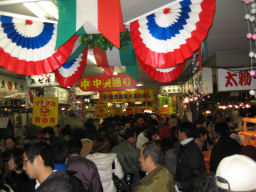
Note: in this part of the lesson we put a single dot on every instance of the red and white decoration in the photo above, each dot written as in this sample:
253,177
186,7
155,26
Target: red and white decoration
172,33
28,47
69,73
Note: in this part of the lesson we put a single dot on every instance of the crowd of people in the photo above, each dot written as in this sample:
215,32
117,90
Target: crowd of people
130,153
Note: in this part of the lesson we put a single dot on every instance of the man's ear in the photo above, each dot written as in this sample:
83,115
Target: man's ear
38,161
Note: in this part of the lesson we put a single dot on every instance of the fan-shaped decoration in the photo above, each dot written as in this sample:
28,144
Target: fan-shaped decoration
171,35
70,72
28,47
164,75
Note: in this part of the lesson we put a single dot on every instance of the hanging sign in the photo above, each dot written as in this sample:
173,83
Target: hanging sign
164,110
101,111
126,96
41,80
45,111
235,79
104,83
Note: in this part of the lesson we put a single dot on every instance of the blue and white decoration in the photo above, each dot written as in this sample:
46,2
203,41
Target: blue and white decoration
172,33
28,47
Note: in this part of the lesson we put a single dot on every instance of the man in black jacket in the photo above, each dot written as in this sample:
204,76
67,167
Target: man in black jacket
38,164
190,162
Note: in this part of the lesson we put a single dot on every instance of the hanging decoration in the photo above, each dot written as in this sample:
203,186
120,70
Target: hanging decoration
68,74
172,33
28,47
250,9
163,75
89,17
117,57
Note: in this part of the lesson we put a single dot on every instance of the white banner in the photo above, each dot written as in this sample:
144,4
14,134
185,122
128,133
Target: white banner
235,79
41,80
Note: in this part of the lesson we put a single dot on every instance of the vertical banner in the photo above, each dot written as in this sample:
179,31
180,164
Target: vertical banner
45,111
101,111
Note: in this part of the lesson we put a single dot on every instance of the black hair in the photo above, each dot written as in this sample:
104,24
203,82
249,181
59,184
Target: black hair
207,183
48,130
12,138
17,155
186,127
60,150
74,146
154,150
129,133
222,129
66,130
150,131
39,147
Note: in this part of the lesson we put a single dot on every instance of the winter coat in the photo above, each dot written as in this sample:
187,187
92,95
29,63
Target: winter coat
128,156
170,160
58,181
141,140
103,162
158,180
190,165
86,171
226,146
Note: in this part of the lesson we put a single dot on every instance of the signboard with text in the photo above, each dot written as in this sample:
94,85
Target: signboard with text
45,111
101,111
235,79
126,96
104,83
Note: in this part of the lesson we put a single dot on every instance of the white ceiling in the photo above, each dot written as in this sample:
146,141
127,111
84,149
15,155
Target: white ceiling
228,32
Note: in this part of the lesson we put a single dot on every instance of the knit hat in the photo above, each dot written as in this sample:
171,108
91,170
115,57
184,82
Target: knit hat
236,173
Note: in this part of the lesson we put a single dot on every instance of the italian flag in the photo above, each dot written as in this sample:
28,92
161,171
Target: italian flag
117,57
89,17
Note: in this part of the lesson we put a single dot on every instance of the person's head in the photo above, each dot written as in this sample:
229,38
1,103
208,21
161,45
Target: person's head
236,173
206,183
60,150
139,119
185,130
74,146
151,133
66,132
151,156
130,136
28,138
10,143
202,133
172,121
48,132
37,157
222,129
100,145
127,125
15,162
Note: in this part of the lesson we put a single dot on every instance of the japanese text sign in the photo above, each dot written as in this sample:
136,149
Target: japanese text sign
104,83
235,79
45,111
101,111
126,96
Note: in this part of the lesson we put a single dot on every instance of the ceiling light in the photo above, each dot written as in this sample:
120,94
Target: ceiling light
50,8
115,73
139,84
34,8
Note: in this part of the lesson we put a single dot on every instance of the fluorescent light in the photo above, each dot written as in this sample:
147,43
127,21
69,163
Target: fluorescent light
34,8
50,8
166,105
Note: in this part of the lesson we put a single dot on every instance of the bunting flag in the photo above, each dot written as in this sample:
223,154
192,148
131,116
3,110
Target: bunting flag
117,57
28,47
172,33
69,73
163,75
90,16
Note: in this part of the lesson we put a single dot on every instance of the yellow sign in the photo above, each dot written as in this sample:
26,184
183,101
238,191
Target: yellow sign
101,111
126,96
45,111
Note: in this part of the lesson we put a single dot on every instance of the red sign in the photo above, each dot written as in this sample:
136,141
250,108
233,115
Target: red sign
104,83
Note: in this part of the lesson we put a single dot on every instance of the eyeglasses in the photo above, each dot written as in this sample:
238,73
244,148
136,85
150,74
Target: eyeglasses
222,180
